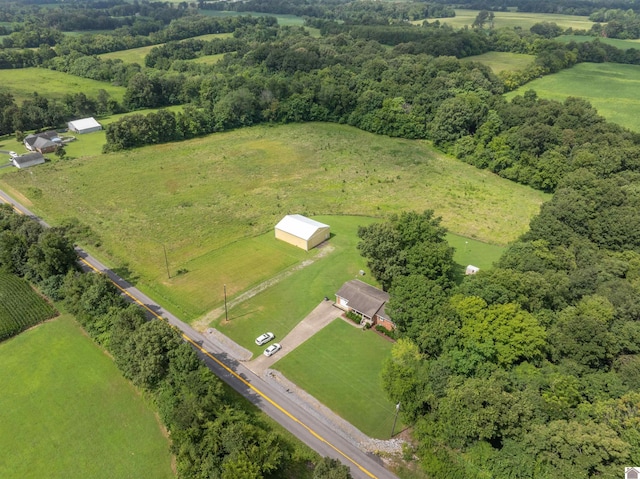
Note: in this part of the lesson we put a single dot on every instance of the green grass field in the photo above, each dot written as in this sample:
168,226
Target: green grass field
20,306
22,82
501,61
137,55
209,59
516,19
477,253
66,412
340,366
199,196
611,88
281,307
621,44
283,20
132,55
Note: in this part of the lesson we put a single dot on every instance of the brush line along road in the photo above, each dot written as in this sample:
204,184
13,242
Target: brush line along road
273,401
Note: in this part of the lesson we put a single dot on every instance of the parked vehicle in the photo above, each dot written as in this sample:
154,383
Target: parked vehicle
264,338
271,350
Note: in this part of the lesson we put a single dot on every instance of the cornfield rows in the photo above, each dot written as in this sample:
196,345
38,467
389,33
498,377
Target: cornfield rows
20,306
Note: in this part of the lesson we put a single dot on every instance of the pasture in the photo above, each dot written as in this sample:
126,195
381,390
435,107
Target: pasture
612,88
501,61
23,82
137,55
340,366
283,19
66,411
517,19
199,196
209,59
20,306
132,55
616,42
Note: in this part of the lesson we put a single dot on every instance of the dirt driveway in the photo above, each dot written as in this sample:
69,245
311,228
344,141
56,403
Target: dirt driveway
317,319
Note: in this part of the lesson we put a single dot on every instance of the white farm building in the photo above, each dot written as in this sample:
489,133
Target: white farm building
86,125
301,231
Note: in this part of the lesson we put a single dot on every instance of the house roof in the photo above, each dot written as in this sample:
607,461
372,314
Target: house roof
364,298
28,159
84,124
41,143
300,226
45,135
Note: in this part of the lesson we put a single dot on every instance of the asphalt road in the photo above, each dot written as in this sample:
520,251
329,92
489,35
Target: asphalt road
269,399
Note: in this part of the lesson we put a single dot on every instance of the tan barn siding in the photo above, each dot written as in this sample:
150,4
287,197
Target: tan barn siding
291,239
318,237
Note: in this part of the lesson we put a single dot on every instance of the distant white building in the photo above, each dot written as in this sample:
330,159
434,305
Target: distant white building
86,125
302,232
471,269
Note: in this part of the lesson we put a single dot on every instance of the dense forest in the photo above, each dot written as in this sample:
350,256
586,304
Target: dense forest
530,369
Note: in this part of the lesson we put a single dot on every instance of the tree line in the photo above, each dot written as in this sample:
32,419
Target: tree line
529,369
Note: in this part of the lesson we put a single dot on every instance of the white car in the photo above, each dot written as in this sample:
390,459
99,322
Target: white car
264,338
274,348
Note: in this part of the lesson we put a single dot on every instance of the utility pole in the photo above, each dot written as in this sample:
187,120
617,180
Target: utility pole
226,316
395,419
166,261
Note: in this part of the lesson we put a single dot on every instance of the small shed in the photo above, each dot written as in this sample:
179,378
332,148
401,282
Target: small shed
471,269
86,125
302,232
27,160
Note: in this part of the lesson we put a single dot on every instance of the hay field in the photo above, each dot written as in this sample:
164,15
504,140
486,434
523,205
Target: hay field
516,19
611,88
199,197
23,82
501,61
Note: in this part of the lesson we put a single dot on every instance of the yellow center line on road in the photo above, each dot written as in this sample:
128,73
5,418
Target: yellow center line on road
240,378
225,367
276,405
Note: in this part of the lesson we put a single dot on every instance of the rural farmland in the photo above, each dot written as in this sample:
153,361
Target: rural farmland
610,87
243,182
85,419
20,306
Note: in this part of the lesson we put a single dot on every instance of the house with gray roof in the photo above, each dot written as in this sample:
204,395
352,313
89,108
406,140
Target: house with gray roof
27,160
45,142
365,300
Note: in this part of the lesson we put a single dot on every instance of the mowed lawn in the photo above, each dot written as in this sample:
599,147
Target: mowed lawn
199,196
66,412
469,251
284,304
517,19
340,366
611,88
22,82
501,61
